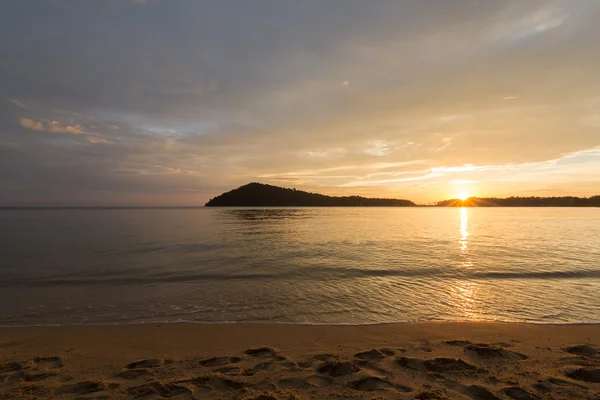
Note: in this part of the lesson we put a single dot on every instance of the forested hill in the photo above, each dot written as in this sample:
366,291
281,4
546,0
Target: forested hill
258,194
568,201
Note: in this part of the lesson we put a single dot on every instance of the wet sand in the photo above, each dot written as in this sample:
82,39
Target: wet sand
264,361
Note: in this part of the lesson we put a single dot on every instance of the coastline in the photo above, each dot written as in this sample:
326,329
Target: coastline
301,361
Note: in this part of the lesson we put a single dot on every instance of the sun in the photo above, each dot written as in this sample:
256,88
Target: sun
464,195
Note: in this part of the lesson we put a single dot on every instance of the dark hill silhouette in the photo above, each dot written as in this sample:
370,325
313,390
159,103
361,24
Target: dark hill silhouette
258,194
568,201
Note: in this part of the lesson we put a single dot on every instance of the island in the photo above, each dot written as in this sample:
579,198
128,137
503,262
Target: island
258,195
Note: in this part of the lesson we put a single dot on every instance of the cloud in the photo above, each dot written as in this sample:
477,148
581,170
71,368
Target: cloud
97,140
177,170
51,126
31,124
17,103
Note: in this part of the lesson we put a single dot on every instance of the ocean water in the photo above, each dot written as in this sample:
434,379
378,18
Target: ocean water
299,265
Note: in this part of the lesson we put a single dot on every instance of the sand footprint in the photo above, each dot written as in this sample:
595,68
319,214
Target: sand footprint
585,374
134,374
10,367
147,363
218,383
81,388
229,370
257,368
293,383
438,365
48,362
582,350
320,381
460,343
431,395
307,363
338,368
36,377
264,397
263,352
218,361
373,383
375,354
153,389
491,352
476,392
518,393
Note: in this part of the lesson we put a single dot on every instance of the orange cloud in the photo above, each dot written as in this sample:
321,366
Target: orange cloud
177,170
31,124
96,140
51,126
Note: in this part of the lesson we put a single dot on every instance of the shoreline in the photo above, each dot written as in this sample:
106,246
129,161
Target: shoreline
450,360
304,324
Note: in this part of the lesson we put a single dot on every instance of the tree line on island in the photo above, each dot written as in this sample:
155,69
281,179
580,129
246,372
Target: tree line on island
261,195
258,194
566,201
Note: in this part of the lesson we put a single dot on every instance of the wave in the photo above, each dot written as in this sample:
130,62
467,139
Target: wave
305,273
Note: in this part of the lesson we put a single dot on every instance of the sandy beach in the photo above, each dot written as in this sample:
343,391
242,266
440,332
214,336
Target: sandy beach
265,361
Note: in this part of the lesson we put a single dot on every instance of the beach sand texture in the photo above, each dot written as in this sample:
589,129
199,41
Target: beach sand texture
266,361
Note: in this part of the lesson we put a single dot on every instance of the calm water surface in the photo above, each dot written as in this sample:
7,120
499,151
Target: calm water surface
303,265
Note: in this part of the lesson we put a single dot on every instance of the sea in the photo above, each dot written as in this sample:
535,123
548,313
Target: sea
299,265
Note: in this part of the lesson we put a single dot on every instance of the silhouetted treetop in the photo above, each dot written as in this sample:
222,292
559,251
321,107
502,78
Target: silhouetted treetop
258,194
567,201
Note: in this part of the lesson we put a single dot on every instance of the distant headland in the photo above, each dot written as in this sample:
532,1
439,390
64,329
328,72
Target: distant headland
258,194
261,195
567,201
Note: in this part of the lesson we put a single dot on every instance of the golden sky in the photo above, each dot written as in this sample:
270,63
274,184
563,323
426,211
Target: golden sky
172,102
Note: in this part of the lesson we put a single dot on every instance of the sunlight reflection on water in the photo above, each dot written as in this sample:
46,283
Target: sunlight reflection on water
309,265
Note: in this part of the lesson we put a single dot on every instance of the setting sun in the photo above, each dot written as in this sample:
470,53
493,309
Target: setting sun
463,195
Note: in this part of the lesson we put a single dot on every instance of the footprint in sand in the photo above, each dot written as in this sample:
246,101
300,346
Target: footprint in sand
307,363
438,365
320,381
36,377
476,392
338,368
373,366
585,374
293,383
373,383
81,388
582,361
375,354
563,383
432,395
153,389
264,397
460,343
257,368
218,361
147,363
133,374
582,350
48,362
229,370
218,383
262,352
518,393
10,367
491,352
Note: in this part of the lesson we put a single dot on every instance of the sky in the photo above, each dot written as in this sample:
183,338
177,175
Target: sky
156,102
